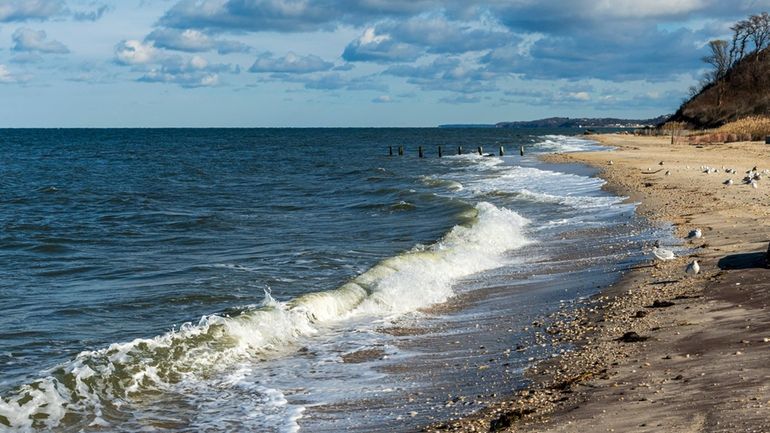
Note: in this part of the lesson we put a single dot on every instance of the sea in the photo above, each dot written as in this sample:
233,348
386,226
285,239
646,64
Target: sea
288,280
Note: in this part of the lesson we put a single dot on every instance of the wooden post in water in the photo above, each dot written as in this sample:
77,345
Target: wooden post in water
521,150
390,150
439,152
481,151
502,151
400,150
419,151
459,150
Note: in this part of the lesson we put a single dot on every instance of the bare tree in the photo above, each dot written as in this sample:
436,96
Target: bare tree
740,40
759,30
720,58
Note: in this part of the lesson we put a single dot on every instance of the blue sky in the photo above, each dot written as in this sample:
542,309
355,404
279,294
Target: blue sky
150,63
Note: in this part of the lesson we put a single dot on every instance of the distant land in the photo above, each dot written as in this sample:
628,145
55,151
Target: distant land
566,122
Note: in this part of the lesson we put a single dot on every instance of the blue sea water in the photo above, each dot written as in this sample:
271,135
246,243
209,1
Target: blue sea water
216,279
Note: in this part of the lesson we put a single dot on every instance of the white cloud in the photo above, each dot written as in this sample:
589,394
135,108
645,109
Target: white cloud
5,75
191,40
21,10
25,39
579,96
291,63
382,99
647,8
133,52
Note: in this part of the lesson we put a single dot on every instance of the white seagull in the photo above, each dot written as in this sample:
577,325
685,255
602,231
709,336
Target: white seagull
663,254
693,268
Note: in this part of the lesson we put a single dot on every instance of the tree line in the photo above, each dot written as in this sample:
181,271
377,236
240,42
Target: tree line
749,36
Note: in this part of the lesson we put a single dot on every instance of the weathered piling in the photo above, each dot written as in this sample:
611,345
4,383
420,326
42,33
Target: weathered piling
459,150
521,150
439,152
400,150
390,150
481,150
502,151
419,151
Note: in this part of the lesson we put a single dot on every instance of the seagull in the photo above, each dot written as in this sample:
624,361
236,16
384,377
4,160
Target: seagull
610,163
663,254
660,163
693,268
754,184
668,172
695,234
728,182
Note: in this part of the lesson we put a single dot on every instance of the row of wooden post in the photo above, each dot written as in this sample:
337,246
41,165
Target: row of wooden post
441,153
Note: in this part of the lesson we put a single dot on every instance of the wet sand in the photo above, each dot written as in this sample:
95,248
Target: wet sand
662,350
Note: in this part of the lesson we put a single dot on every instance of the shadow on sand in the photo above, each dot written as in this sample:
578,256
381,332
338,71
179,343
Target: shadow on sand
744,261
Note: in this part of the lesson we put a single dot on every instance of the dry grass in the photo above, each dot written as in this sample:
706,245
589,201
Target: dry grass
757,127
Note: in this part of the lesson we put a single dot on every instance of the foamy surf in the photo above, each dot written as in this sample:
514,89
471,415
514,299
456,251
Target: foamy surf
98,388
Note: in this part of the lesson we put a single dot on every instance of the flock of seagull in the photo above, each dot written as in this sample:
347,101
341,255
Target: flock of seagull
664,254
752,178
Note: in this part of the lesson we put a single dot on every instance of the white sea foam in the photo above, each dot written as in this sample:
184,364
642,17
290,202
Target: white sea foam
565,143
123,372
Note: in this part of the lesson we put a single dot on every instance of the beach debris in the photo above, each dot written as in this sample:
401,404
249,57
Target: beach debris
728,182
668,173
754,184
695,234
507,419
661,304
639,314
610,162
631,337
663,254
693,268
660,163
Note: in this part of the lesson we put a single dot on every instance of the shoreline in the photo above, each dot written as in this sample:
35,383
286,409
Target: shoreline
697,360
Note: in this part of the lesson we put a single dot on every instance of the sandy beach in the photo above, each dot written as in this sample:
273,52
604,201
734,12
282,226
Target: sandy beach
663,350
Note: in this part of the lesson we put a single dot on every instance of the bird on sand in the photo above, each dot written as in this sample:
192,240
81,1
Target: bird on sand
728,182
695,234
693,268
663,254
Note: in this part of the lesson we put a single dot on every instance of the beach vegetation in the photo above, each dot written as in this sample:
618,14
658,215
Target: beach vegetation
758,127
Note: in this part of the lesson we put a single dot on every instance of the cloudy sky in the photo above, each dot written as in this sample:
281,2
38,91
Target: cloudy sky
349,62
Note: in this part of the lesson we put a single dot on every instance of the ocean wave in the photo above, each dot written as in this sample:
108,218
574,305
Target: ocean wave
565,143
98,387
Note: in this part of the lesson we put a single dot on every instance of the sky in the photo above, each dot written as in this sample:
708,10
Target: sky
296,63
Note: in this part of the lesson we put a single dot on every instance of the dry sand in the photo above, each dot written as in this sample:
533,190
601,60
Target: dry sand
703,360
